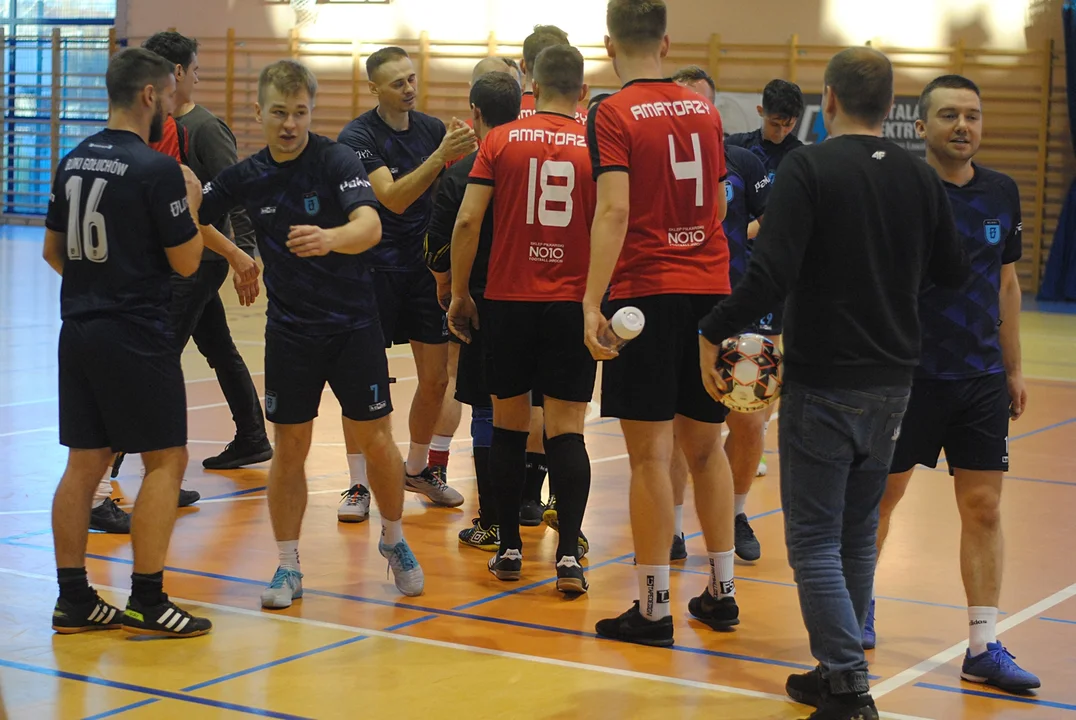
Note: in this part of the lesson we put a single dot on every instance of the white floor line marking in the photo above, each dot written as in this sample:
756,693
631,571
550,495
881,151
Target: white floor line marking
912,674
355,630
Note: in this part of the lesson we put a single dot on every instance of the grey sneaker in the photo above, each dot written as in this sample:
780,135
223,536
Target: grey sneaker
433,487
287,585
355,507
406,571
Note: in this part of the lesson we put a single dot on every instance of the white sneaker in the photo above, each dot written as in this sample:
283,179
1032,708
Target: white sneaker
406,571
355,507
287,585
434,487
762,469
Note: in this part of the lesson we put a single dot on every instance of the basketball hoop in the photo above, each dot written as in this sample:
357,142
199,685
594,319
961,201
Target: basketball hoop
306,12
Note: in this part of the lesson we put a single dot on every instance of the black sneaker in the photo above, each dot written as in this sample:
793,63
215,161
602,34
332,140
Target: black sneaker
239,454
678,551
163,620
846,707
632,627
109,517
747,545
806,688
188,497
94,614
480,537
718,614
570,576
530,513
506,564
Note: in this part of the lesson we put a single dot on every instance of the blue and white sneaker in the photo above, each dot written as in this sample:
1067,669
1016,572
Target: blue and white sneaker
869,638
406,571
996,667
287,585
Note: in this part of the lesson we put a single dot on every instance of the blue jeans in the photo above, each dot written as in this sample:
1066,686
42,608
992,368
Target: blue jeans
836,445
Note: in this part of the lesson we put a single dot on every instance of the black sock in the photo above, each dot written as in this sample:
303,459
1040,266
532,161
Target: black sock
508,467
487,495
74,585
570,464
536,472
148,589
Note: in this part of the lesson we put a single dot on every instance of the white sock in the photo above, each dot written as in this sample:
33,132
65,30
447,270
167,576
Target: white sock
678,526
417,455
289,553
654,591
104,490
441,443
356,465
722,572
741,503
391,531
982,628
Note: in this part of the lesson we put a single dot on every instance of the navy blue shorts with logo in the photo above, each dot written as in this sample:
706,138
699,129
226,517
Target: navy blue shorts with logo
408,307
297,367
968,419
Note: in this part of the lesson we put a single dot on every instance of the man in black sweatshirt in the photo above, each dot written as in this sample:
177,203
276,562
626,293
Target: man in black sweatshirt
851,230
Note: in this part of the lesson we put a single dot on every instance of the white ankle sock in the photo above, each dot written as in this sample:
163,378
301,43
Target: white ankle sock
289,553
104,490
653,591
741,503
417,455
722,572
356,465
441,443
982,628
391,531
678,526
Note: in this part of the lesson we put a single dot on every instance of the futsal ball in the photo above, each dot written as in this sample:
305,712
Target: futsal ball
751,367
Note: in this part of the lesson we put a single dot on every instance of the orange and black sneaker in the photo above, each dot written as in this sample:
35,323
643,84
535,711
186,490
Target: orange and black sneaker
93,614
163,620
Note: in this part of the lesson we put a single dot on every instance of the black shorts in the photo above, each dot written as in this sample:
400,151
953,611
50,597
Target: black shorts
298,366
969,419
121,386
538,346
408,306
472,387
657,375
769,325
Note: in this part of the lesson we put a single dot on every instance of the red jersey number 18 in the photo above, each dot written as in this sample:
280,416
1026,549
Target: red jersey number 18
548,216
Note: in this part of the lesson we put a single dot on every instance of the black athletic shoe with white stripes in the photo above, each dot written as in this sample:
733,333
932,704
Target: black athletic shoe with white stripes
94,614
163,620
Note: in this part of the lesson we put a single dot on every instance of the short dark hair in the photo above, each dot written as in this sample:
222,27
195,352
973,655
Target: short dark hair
560,69
863,80
637,22
947,82
694,73
497,96
543,36
131,70
783,99
289,77
173,47
382,56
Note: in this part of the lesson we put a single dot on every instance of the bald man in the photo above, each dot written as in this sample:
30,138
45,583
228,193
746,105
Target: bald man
851,231
488,65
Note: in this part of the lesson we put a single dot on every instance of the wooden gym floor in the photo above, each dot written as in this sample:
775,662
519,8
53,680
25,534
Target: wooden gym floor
473,646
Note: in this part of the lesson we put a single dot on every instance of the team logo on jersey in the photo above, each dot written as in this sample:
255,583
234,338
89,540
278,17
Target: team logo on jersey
311,203
771,176
992,228
270,403
730,192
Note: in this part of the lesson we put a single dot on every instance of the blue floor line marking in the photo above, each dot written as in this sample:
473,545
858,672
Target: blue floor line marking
1043,429
1058,620
162,694
237,493
997,696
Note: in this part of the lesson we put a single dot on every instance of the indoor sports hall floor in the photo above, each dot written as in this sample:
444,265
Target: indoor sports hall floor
473,646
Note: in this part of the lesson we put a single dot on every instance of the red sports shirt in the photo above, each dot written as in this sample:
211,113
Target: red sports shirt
670,142
528,106
169,143
543,206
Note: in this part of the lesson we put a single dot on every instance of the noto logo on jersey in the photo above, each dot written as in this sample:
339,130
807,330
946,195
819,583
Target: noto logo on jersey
311,203
992,229
354,184
687,237
546,252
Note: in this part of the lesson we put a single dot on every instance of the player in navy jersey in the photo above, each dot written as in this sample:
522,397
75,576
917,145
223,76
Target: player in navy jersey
315,217
746,191
969,383
781,109
405,152
117,226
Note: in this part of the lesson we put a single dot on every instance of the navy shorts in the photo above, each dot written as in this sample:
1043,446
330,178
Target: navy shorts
297,367
657,375
472,387
968,419
121,386
408,307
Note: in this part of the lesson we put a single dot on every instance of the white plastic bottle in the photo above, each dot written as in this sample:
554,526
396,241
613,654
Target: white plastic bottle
625,325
